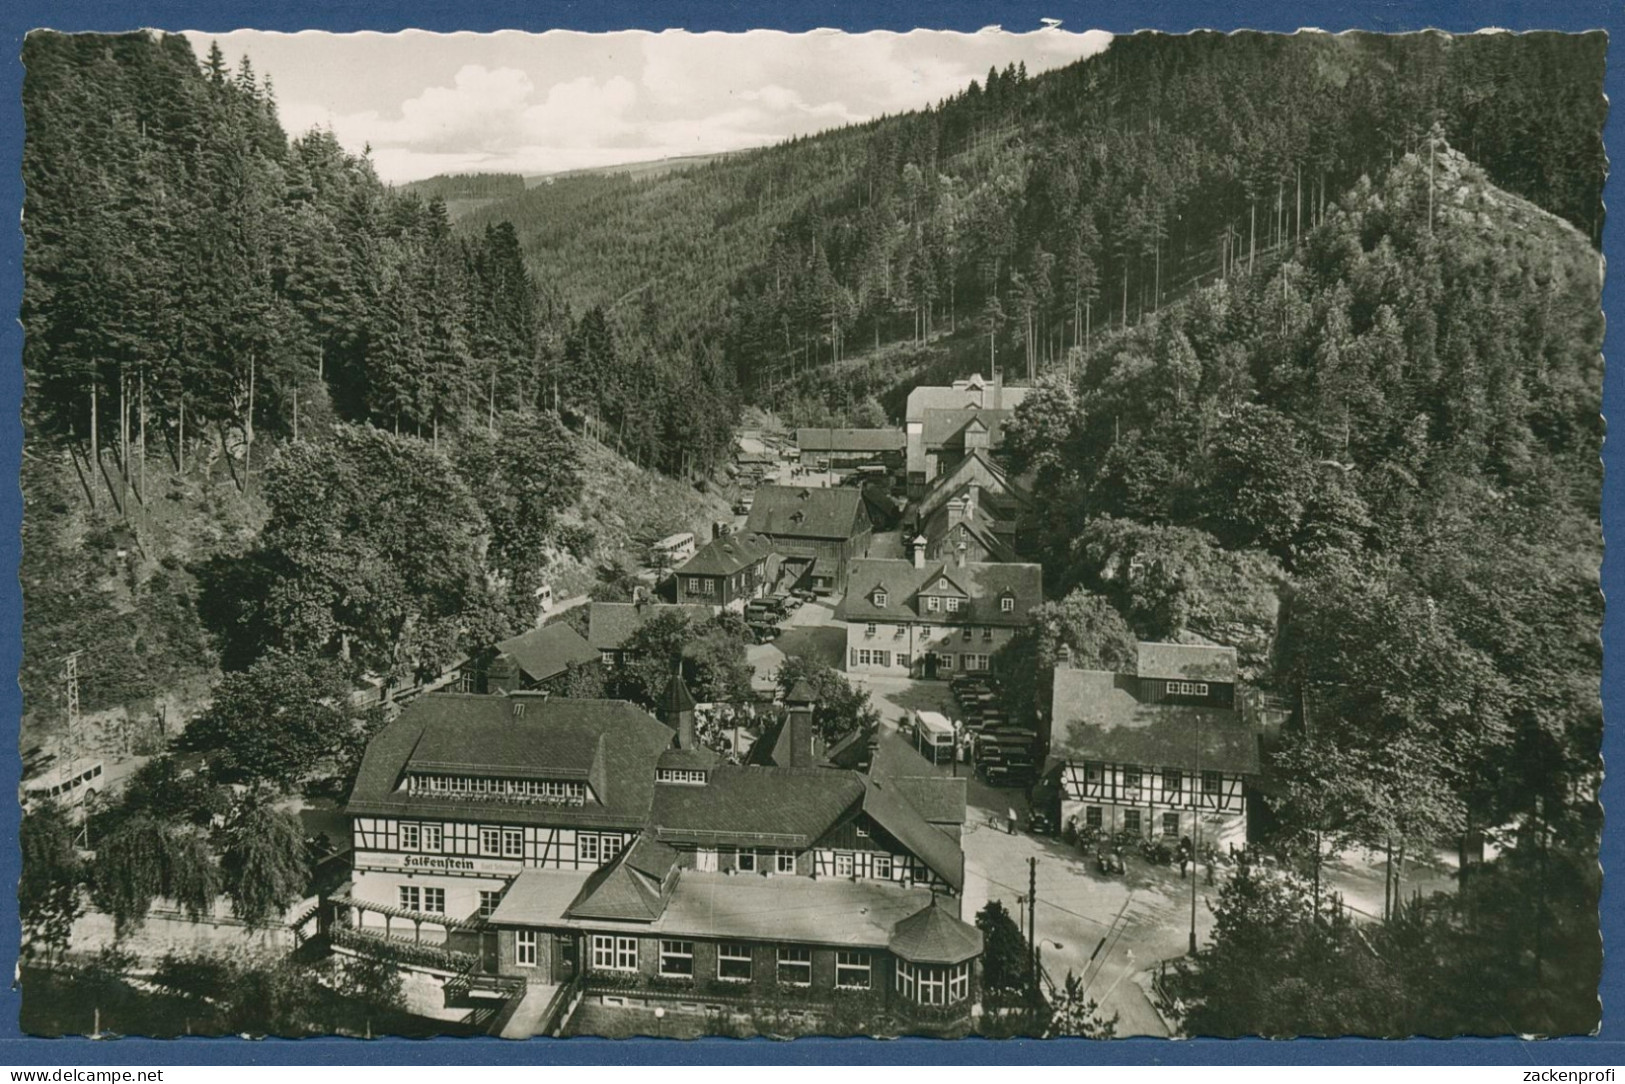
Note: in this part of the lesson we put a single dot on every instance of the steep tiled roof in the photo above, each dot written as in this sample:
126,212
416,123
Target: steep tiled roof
1187,662
977,466
1099,716
788,807
938,799
611,624
727,555
548,651
807,512
983,583
886,805
933,936
849,440
698,758
609,744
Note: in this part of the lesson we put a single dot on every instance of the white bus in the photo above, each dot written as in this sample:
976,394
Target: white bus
672,550
934,736
69,785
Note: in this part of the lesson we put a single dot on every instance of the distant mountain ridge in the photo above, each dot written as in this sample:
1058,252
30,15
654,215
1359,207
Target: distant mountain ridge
1042,207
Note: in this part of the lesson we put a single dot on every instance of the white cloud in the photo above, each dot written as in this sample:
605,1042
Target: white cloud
430,103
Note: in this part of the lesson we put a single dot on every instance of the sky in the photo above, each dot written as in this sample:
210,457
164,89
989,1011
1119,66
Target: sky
543,103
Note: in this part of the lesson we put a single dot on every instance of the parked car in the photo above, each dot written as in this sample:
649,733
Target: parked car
1109,862
742,506
804,594
764,609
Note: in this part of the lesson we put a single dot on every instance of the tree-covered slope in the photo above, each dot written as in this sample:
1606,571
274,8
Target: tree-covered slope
1039,209
1398,430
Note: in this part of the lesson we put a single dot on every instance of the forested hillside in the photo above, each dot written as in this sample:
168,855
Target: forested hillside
1038,210
1398,431
252,372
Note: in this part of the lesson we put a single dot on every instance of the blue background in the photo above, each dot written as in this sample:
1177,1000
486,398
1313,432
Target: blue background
17,16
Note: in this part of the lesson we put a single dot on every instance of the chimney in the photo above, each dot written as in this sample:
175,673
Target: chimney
801,737
919,551
959,555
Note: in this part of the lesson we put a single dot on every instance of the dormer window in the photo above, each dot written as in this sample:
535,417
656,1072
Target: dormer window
693,777
932,603
879,598
1007,604
953,604
1187,688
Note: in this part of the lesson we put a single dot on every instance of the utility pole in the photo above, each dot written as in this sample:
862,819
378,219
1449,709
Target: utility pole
1032,916
70,681
1196,828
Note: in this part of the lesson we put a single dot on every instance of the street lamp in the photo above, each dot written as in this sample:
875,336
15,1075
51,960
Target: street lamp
1038,960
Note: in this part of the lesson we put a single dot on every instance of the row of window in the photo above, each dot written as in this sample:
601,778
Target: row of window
547,791
680,775
735,962
967,632
1187,688
1092,818
747,861
864,656
926,985
1172,779
505,842
428,900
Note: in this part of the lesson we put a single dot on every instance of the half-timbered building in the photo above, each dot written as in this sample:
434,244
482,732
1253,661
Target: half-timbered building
555,840
1154,752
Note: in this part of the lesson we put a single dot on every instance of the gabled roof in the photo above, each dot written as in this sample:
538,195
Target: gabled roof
727,555
609,744
856,751
815,439
774,749
988,393
801,693
946,428
611,624
548,651
933,936
1099,716
997,484
1187,662
807,512
943,527
786,807
984,583
631,888
885,804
